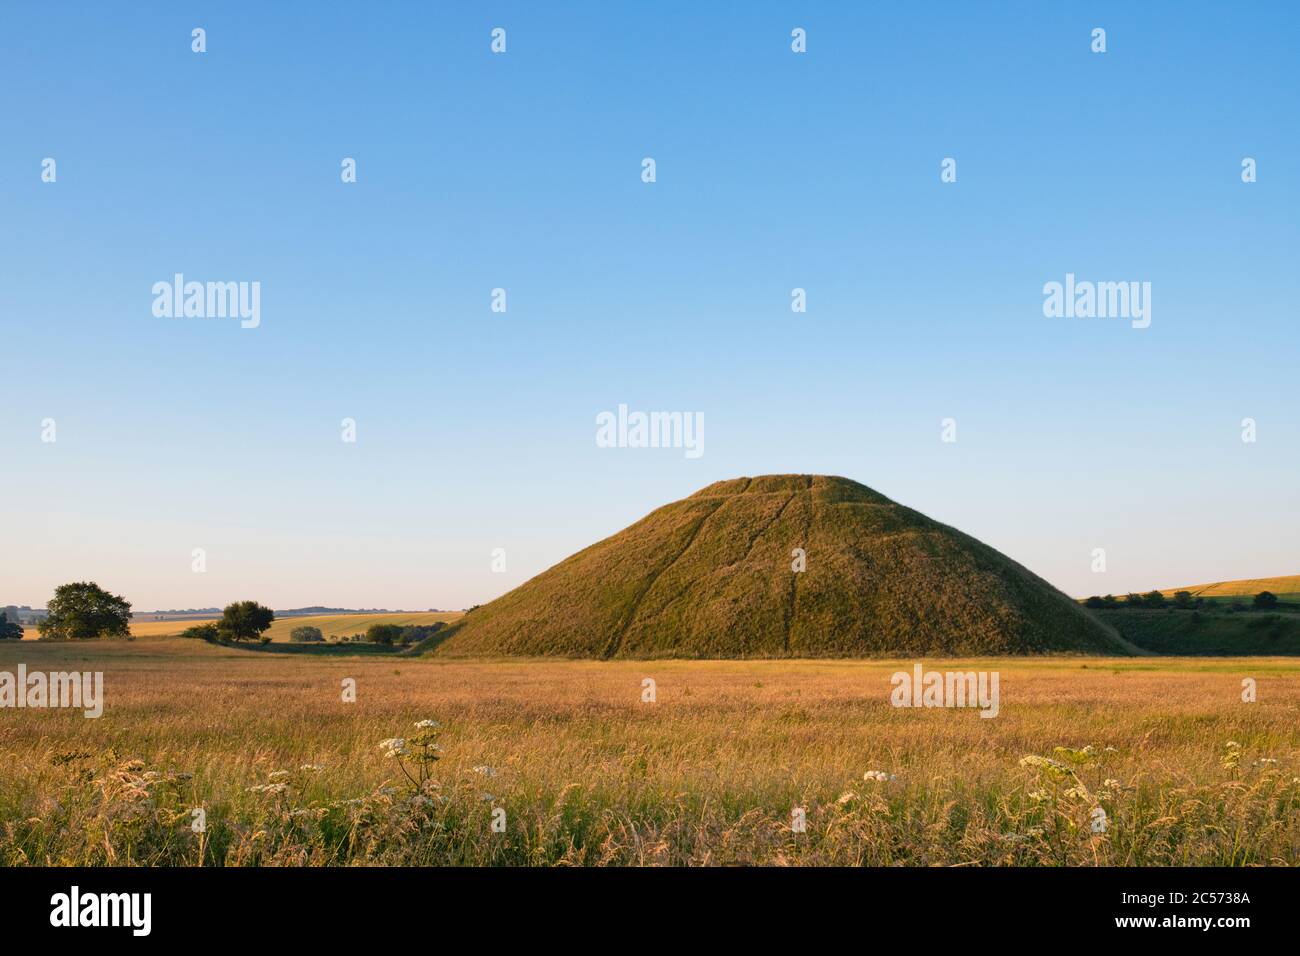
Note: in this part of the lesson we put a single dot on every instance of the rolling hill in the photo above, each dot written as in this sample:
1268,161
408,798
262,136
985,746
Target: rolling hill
1287,588
711,576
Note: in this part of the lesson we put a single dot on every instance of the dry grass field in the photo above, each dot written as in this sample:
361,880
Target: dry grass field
587,773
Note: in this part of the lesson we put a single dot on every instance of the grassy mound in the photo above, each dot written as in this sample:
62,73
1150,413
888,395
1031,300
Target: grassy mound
711,576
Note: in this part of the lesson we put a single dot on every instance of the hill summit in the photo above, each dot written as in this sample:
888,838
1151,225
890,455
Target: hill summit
714,576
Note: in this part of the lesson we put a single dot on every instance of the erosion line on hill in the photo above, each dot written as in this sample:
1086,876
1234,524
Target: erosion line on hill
617,639
794,578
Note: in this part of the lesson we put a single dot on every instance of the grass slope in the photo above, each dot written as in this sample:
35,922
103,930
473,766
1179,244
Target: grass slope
710,577
1215,633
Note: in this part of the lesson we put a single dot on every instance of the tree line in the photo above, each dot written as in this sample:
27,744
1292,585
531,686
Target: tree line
1184,600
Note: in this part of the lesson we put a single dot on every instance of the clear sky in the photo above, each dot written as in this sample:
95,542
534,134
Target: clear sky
774,170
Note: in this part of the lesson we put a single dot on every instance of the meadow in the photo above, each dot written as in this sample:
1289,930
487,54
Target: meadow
576,768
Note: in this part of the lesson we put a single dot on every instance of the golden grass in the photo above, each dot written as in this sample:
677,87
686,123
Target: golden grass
589,774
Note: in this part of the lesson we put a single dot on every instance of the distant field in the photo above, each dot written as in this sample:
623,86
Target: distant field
340,624
1286,588
587,773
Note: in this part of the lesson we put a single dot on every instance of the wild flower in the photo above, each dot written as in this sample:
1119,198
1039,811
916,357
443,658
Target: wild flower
485,771
427,724
846,797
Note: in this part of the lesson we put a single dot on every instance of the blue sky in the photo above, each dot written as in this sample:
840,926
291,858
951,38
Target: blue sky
775,170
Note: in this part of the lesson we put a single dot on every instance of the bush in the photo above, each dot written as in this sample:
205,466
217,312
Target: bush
1133,600
1094,602
1183,599
306,634
1153,599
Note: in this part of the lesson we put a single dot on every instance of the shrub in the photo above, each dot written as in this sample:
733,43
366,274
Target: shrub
1183,599
1133,600
1094,602
1265,601
9,631
1153,599
306,634
205,632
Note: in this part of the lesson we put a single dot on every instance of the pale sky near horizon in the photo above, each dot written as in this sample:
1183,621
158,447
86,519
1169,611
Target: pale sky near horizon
523,171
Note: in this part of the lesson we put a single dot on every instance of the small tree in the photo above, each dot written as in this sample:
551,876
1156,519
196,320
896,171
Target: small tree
306,634
245,620
1265,601
1183,599
1153,599
383,633
84,610
1133,599
9,631
1094,602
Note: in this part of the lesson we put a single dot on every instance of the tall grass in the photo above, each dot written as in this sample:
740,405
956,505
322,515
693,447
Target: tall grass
588,774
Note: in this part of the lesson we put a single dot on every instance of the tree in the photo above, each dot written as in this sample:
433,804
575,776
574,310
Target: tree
205,632
9,631
1265,601
84,610
1183,599
1133,600
1153,599
306,634
1094,602
383,633
245,620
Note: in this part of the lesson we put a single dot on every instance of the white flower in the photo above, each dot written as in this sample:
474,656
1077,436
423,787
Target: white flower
311,768
485,771
879,776
1038,796
277,774
394,747
846,797
427,724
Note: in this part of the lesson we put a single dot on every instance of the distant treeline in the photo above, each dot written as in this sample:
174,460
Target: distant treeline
1183,600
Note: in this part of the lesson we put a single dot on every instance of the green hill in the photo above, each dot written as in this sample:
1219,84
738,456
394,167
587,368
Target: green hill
710,577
